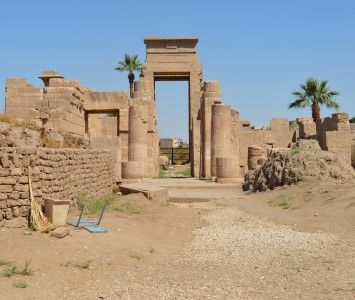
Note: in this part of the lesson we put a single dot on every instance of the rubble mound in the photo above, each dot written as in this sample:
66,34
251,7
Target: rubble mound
306,162
18,136
14,135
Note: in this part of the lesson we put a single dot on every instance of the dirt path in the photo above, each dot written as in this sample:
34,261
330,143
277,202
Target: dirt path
243,247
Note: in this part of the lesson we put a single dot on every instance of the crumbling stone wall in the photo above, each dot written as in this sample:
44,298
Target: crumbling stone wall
56,174
287,168
332,133
59,104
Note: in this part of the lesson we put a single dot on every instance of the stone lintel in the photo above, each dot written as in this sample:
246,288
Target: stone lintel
166,45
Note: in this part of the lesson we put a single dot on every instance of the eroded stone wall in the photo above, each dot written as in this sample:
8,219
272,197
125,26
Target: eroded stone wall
332,133
56,174
59,104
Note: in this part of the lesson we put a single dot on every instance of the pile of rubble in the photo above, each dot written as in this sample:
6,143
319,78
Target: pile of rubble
305,162
15,135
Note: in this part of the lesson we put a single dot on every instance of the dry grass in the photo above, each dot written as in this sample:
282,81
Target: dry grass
38,220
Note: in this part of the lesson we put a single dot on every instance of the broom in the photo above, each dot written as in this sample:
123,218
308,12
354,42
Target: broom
38,221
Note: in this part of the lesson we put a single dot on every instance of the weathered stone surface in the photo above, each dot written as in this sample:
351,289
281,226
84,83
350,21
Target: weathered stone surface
5,188
7,180
15,211
8,214
60,232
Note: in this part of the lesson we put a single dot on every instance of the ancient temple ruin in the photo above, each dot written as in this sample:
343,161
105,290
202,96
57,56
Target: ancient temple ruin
222,145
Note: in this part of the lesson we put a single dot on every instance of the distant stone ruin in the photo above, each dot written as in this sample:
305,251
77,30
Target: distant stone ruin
222,145
305,163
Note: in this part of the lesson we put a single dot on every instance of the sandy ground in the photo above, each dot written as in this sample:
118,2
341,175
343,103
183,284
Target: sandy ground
294,243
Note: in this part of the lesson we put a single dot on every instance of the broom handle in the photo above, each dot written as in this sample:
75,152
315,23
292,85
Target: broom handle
30,179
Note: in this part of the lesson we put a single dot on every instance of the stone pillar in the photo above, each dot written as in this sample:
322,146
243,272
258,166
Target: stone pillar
254,154
141,90
220,133
135,167
227,169
137,134
143,96
211,95
196,139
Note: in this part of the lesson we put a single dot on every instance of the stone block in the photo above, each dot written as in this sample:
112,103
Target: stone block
60,232
3,203
20,187
6,188
340,116
279,124
156,194
8,214
4,172
16,82
16,172
15,211
8,180
14,196
5,162
307,130
57,211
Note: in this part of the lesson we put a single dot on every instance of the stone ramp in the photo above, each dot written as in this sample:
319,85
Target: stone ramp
182,190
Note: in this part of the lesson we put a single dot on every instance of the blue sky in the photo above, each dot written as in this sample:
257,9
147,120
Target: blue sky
259,50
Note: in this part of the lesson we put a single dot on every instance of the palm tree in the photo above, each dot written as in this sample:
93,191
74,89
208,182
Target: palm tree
314,93
130,63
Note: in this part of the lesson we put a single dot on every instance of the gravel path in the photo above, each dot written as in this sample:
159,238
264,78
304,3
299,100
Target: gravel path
239,256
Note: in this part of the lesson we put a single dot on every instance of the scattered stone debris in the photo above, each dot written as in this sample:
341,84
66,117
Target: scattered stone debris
60,232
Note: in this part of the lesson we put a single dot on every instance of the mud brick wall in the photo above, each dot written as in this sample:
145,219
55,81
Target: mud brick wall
56,174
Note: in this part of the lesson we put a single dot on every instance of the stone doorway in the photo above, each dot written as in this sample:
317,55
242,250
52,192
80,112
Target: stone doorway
175,59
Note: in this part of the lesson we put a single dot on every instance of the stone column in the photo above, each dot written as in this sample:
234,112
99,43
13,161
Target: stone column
227,169
254,154
135,167
211,95
196,139
144,96
220,133
137,134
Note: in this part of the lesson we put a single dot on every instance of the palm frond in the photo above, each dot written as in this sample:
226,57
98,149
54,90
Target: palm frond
314,91
130,63
299,103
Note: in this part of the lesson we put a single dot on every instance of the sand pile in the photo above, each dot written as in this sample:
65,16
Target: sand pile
288,167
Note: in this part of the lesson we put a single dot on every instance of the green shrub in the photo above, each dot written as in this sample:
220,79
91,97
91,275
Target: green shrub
21,284
127,208
296,149
94,206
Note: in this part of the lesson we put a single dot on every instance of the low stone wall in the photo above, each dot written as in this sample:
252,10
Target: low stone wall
56,174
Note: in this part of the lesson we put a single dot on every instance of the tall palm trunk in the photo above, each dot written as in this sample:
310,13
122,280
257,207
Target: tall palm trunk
315,111
131,80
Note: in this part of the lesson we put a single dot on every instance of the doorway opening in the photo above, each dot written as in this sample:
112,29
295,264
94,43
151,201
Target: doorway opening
172,105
